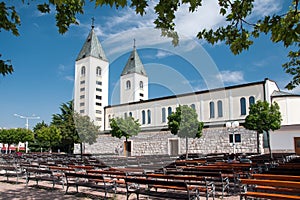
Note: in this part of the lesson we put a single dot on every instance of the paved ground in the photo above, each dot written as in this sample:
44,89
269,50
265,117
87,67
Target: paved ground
16,191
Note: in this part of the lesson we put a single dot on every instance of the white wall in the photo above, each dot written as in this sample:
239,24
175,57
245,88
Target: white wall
229,96
283,139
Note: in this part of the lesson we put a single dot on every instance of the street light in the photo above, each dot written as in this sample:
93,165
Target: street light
27,125
27,119
232,128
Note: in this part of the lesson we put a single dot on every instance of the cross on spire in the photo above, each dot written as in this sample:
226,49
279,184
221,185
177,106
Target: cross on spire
134,43
93,21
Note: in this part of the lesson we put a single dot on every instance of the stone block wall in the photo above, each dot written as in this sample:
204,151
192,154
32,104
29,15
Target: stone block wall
213,140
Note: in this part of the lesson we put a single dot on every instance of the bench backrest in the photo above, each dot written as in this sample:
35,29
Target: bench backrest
38,171
273,183
80,175
276,177
106,172
156,182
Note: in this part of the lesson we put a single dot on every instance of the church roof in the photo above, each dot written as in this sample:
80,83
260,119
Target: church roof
281,94
92,47
134,64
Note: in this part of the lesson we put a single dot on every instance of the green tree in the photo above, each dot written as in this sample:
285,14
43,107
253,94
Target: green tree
126,127
14,136
7,136
39,126
65,122
184,123
48,137
239,32
86,129
264,117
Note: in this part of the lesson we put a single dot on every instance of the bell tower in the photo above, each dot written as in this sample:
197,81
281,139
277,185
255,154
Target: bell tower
133,80
91,80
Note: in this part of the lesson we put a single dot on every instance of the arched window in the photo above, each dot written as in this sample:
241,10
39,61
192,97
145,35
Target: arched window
143,117
169,111
141,85
243,106
149,116
130,114
251,100
128,85
211,109
83,71
220,109
193,106
163,114
125,115
98,71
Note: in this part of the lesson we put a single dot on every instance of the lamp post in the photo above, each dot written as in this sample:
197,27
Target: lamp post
232,128
27,119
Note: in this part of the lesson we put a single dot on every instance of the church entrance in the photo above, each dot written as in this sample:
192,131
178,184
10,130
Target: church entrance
173,147
297,145
127,148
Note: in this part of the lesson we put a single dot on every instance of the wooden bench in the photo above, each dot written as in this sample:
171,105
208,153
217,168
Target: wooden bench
117,176
81,168
221,181
163,188
11,171
276,177
89,180
203,185
270,189
38,174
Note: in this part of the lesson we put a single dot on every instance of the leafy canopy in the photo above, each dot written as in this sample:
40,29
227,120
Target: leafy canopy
126,127
263,117
14,136
65,122
48,136
87,131
238,32
184,123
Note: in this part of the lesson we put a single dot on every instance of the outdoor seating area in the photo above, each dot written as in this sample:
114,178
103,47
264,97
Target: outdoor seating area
164,177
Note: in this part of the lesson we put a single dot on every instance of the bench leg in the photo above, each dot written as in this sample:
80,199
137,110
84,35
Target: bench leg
67,189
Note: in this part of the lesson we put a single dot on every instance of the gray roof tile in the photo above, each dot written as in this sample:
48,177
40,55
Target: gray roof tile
134,64
92,47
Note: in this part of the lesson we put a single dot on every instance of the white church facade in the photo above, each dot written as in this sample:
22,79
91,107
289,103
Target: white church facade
214,107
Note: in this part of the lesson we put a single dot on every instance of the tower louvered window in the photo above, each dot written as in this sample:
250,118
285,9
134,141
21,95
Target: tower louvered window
83,71
98,71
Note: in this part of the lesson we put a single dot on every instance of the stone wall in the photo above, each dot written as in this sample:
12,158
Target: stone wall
213,140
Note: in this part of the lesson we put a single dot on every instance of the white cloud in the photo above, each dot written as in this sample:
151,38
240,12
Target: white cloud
62,70
266,7
207,16
162,54
231,76
69,78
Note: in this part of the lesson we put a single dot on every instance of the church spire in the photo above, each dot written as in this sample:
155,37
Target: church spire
134,63
92,46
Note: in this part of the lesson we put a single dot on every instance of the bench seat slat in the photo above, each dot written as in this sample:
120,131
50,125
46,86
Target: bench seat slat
271,195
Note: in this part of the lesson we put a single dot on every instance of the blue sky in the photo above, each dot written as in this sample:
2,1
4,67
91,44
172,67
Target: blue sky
44,60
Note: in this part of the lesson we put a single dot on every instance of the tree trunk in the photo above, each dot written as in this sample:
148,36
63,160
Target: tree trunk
258,142
186,148
270,150
126,147
81,150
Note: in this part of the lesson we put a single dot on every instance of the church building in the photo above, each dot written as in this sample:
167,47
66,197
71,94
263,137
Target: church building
216,108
